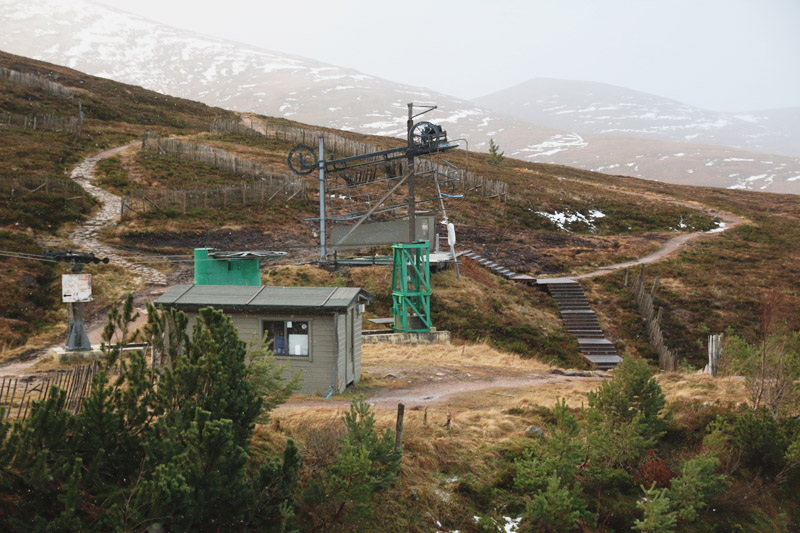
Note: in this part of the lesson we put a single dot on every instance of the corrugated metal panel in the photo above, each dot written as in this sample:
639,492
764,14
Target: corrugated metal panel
384,233
263,298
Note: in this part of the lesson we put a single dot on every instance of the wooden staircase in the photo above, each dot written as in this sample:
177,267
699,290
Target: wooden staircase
582,322
576,313
498,269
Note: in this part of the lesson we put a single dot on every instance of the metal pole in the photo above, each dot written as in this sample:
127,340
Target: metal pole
322,253
412,222
77,339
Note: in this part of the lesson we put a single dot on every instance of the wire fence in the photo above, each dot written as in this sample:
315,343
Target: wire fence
17,395
56,123
27,79
486,187
13,185
257,192
264,185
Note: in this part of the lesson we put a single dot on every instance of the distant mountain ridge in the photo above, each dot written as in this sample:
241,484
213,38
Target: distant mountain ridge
111,43
598,108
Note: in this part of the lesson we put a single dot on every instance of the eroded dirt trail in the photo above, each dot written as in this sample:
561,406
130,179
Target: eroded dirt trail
728,222
86,236
440,393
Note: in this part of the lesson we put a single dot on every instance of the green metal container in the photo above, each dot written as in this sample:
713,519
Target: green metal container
210,271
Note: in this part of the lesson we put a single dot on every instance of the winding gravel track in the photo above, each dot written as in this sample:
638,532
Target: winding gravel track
729,221
86,236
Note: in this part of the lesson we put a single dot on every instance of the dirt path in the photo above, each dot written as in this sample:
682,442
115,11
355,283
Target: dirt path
86,237
728,221
437,393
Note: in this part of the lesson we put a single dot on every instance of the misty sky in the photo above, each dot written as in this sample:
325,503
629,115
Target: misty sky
725,55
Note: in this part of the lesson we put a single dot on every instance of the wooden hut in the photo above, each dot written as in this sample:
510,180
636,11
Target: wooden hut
317,330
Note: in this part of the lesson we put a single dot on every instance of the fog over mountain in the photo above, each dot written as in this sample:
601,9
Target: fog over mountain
588,107
589,126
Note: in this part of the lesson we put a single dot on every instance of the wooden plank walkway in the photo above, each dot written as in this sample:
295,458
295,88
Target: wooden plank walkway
497,269
576,313
581,321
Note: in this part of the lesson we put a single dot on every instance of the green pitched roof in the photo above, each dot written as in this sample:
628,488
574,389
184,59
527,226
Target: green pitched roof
276,299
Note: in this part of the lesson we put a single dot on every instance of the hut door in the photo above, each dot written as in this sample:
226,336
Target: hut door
349,350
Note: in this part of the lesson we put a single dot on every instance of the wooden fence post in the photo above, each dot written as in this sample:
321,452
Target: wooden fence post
714,353
398,439
655,287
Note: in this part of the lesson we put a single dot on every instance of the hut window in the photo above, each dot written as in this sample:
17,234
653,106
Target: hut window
289,337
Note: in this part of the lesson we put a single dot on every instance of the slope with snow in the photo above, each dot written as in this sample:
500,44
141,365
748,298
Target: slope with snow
597,108
114,44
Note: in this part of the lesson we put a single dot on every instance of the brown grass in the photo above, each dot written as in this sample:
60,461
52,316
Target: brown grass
467,355
702,388
289,275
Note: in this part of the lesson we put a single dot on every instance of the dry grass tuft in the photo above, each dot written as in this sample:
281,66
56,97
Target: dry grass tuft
702,388
574,391
466,355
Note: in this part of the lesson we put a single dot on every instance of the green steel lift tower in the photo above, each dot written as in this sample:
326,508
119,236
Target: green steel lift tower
411,287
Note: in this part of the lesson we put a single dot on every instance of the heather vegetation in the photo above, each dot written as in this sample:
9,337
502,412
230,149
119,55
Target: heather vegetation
210,440
628,460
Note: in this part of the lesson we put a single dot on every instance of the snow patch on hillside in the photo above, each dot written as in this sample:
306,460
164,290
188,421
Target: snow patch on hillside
553,145
563,219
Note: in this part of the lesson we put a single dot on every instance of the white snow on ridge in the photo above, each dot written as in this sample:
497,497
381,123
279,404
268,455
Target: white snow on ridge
553,145
459,115
749,118
751,182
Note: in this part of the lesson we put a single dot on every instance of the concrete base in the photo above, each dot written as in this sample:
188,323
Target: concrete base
60,355
430,337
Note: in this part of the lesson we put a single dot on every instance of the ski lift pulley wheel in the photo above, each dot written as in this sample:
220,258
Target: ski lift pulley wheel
303,160
425,134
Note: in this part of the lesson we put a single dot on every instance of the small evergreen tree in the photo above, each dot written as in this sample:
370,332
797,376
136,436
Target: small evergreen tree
659,516
165,447
495,156
574,477
689,493
341,495
633,395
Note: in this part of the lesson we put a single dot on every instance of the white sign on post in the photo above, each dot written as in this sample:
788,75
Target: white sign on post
76,288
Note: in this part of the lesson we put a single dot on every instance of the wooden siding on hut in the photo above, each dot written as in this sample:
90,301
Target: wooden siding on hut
319,367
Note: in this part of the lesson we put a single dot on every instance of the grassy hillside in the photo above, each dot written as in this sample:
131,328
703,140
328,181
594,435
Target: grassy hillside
115,114
470,457
712,285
